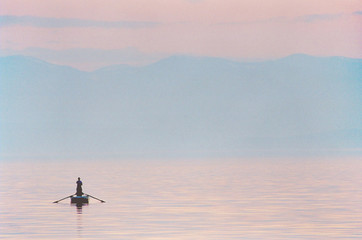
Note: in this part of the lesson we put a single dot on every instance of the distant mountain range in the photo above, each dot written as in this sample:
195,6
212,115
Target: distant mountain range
181,106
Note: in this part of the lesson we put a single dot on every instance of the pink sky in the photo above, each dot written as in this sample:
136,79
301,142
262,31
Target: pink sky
228,28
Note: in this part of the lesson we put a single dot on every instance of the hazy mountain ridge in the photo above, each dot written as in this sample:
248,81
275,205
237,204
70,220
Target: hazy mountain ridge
17,66
180,105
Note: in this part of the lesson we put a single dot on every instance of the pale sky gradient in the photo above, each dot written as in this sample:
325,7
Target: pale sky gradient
237,29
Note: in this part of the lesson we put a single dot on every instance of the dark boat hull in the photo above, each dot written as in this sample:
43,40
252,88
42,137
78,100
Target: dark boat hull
79,199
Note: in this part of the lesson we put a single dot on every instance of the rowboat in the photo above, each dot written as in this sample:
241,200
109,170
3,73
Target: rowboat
74,198
79,199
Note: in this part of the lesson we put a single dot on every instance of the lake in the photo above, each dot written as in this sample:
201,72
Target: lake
311,198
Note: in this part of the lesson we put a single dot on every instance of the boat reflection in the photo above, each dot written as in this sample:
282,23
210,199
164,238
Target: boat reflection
79,207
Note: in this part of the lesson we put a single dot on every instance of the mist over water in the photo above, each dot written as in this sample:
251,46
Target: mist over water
58,123
180,106
305,198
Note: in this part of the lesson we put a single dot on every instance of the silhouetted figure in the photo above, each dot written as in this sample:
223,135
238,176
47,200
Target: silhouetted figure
79,187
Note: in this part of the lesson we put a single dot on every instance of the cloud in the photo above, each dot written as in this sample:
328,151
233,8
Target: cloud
303,18
317,17
358,13
43,22
194,1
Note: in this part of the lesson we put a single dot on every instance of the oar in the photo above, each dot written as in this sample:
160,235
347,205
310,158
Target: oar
95,198
63,199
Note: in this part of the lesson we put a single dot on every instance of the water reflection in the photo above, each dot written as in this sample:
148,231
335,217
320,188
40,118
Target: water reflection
256,199
79,207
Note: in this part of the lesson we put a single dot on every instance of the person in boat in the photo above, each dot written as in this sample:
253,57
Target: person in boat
79,187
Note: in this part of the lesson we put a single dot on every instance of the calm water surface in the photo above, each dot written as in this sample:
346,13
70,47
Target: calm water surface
223,199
